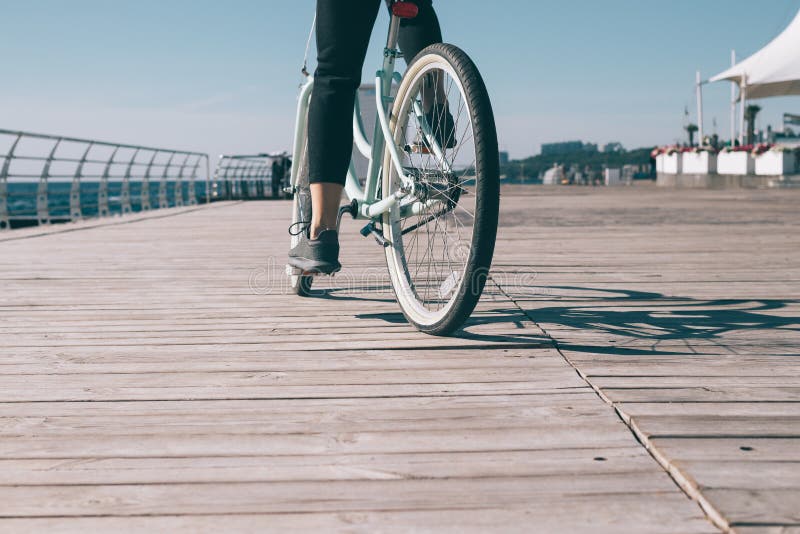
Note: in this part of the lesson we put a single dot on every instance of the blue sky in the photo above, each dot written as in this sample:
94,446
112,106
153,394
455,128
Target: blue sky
222,76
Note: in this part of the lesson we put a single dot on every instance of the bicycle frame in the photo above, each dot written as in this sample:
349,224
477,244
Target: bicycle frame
369,205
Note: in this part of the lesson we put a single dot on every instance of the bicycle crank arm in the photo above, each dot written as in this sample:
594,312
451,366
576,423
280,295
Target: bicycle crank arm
372,211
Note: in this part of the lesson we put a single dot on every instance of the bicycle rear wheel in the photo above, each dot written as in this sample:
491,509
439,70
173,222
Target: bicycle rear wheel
301,215
442,236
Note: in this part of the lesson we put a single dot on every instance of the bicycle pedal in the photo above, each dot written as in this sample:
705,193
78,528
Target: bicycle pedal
377,234
417,149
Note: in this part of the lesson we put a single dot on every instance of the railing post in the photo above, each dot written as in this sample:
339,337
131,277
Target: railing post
267,173
162,185
102,193
258,178
192,182
208,180
5,222
261,179
216,181
226,178
145,193
178,188
237,180
242,170
42,198
234,167
247,178
75,212
125,196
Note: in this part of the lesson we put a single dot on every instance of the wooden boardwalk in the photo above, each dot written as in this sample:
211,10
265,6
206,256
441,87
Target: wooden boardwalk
633,367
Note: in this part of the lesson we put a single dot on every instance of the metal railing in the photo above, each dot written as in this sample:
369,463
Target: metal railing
50,178
250,176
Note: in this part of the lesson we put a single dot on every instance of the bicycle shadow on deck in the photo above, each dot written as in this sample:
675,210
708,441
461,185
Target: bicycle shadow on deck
629,322
506,326
509,327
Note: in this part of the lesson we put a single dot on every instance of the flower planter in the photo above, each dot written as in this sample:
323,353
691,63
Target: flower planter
672,163
613,177
776,163
660,162
699,163
735,163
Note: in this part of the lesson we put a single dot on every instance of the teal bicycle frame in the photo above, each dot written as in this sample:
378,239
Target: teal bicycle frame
369,205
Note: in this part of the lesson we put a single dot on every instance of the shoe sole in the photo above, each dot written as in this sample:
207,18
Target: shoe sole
310,267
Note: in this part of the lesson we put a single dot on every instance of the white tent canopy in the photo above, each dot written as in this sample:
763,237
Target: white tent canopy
772,71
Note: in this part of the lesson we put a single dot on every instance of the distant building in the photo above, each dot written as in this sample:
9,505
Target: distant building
503,158
613,147
554,175
567,147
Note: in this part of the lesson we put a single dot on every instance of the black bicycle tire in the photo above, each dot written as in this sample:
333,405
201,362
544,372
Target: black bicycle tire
487,190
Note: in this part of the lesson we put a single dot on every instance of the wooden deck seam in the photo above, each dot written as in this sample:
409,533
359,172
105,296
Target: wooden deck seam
683,482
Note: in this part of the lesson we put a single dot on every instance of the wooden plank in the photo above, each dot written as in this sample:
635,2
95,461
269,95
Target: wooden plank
311,496
752,475
758,425
704,394
551,513
743,448
293,416
295,467
749,506
641,382
97,392
719,409
311,442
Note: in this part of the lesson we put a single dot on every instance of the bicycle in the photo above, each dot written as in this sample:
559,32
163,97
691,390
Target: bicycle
430,199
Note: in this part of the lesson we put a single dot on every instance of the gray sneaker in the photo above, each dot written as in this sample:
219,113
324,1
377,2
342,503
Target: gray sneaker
317,256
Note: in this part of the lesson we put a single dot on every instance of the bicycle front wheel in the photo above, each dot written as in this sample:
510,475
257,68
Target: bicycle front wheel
442,236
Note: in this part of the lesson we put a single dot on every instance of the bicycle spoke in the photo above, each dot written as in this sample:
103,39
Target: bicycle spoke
436,241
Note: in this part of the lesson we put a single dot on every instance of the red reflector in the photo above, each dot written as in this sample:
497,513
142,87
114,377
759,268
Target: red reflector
405,10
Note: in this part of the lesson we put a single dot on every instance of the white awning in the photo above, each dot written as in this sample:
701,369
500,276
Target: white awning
772,71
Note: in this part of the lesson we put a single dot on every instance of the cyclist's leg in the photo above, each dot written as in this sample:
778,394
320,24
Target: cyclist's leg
343,32
416,34
419,32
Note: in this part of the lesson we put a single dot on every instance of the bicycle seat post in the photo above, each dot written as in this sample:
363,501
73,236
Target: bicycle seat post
400,10
394,31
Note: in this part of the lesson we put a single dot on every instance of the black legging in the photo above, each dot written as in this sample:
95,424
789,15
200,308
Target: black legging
343,32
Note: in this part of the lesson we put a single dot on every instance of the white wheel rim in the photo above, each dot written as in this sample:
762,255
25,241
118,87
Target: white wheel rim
395,254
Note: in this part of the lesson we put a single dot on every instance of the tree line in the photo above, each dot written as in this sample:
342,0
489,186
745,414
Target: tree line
531,168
